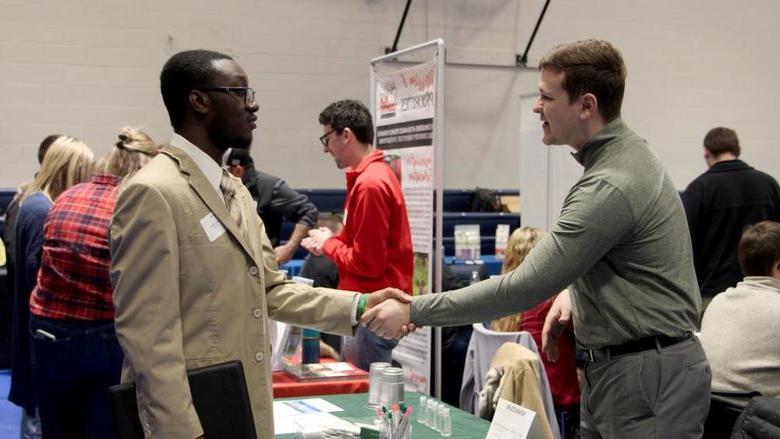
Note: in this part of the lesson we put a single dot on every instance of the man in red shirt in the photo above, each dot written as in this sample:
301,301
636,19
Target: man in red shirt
374,249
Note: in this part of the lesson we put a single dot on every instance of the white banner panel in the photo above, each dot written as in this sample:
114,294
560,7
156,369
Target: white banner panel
405,111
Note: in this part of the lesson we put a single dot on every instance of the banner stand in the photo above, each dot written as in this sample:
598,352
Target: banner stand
407,105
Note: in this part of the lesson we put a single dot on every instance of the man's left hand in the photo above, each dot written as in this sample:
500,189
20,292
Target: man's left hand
558,318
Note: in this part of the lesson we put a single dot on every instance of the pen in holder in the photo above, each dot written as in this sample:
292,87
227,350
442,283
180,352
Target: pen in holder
396,423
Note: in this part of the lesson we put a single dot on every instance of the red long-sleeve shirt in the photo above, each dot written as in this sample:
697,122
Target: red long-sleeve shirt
562,374
374,249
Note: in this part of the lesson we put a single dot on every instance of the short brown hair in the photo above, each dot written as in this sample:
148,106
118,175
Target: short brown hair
721,140
590,66
759,248
334,222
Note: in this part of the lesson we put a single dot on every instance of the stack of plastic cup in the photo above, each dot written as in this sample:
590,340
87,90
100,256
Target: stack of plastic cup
446,422
422,410
433,413
440,417
375,383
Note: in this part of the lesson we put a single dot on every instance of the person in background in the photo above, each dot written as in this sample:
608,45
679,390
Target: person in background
13,209
561,373
374,250
68,161
9,232
740,330
719,204
275,201
324,273
319,268
75,350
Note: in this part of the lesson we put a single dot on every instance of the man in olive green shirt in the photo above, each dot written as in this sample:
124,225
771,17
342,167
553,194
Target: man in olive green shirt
621,245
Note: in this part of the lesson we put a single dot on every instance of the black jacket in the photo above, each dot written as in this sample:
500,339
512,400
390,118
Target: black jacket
719,205
276,200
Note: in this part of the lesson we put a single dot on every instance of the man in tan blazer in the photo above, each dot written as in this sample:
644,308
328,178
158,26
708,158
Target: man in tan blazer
195,278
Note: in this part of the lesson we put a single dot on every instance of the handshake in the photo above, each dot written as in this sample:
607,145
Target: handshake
388,313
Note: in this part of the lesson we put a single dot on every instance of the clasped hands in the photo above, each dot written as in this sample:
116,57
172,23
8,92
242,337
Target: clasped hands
314,242
388,313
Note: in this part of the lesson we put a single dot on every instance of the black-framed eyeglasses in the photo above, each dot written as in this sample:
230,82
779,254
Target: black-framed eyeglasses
324,137
245,93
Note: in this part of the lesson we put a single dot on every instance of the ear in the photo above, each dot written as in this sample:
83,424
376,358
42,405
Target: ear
589,106
348,134
199,102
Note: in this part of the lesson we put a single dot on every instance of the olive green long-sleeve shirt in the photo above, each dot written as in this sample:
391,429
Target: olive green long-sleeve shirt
621,242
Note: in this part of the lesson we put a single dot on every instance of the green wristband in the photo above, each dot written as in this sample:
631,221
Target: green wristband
361,307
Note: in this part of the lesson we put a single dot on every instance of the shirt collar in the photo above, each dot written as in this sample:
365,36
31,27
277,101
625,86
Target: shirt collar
107,179
729,165
354,173
610,132
762,282
375,156
206,164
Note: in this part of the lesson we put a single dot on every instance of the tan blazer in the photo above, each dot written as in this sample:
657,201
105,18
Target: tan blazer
520,381
184,299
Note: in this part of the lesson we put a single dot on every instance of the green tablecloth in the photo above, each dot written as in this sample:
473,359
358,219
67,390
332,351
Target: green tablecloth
464,424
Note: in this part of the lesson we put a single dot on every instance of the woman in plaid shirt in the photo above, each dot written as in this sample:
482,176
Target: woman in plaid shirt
77,356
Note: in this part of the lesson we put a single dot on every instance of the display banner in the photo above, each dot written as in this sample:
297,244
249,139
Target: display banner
405,114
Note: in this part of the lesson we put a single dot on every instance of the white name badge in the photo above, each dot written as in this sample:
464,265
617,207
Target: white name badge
212,227
513,421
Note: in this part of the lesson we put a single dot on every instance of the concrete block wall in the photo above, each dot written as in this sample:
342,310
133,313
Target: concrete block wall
88,67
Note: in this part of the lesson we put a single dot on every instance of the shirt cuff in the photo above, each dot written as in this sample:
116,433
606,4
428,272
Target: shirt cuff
329,247
353,314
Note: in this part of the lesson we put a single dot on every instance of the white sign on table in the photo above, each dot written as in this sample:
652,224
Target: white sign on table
513,421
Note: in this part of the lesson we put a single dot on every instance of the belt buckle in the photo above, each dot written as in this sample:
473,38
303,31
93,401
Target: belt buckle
589,357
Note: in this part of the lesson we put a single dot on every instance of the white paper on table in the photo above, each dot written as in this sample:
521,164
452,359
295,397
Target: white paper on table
310,421
297,407
512,421
339,367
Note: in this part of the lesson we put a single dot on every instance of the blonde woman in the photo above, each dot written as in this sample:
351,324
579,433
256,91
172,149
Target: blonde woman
563,373
77,356
68,161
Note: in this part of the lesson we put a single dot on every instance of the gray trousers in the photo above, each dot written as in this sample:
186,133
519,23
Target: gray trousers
659,393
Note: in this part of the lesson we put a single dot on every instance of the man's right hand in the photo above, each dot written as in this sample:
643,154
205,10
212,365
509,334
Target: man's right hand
555,323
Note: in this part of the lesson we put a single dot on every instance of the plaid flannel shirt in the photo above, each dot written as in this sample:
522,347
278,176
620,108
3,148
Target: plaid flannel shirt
73,281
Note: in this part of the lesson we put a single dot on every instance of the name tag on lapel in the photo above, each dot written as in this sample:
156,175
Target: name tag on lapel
212,227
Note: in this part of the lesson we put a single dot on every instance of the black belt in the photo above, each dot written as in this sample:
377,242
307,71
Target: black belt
630,347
